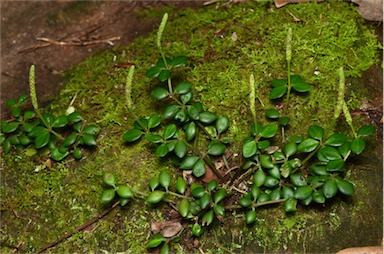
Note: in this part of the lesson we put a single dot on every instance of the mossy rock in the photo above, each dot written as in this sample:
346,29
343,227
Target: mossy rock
225,46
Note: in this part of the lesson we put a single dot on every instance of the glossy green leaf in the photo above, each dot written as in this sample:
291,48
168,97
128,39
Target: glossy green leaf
278,92
183,207
48,118
60,122
303,192
153,138
57,155
345,187
316,132
190,131
263,197
219,209
185,98
77,126
259,178
16,112
164,75
284,120
6,146
14,139
329,153
42,139
290,149
193,112
269,131
24,139
10,127
219,195
132,135
170,111
216,148
159,93
70,139
256,129
366,130
245,202
107,196
290,205
255,192
249,149
308,145
196,230
336,140
357,145
183,88
198,191
285,169
153,72
207,218
162,150
222,124
250,217
275,194
345,149
207,117
22,98
318,197
124,191
266,161
301,87
156,240
165,179
169,131
155,197
272,113
74,117
181,149
275,172
199,168
318,169
109,179
298,179
154,121
181,185
205,201
287,192
271,182
89,139
212,185
10,103
77,153
329,188
181,116
153,183
336,165
179,61
278,156
188,162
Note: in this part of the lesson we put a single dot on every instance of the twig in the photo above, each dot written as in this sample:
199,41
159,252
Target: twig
49,42
79,228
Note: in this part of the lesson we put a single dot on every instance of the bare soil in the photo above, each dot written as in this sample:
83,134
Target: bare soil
32,31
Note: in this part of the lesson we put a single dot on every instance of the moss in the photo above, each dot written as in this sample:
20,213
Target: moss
66,195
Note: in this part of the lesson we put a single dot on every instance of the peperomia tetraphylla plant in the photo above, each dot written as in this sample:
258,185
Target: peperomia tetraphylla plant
302,169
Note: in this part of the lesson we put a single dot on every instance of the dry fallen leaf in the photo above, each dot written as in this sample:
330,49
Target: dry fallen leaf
166,228
370,9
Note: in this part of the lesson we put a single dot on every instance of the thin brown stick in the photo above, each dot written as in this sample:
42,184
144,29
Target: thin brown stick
79,228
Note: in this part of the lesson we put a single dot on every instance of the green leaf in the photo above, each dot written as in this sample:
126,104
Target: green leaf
329,153
219,209
74,117
286,169
154,121
316,132
215,148
6,146
162,150
298,179
107,196
303,192
169,131
308,145
278,92
249,149
22,98
330,188
132,135
164,75
245,202
287,192
185,98
170,111
366,130
16,112
318,197
188,162
336,139
60,122
275,172
336,165
319,169
250,217
124,201
197,190
199,168
155,197
109,179
91,129
207,117
24,139
181,149
89,139
153,138
183,207
284,120
219,195
205,200
290,149
181,185
197,230
190,131
259,177
181,116
156,240
301,87
271,182
193,112
279,82
165,179
290,205
266,161
183,88
269,131
263,144
345,187
42,139
207,218
179,61
153,183
159,93
255,192
272,113
29,114
275,194
153,72
222,124
357,145
77,153
10,103
57,155
10,127
263,197
70,139
124,191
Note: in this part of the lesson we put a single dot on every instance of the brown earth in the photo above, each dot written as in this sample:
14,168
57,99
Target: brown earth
90,25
